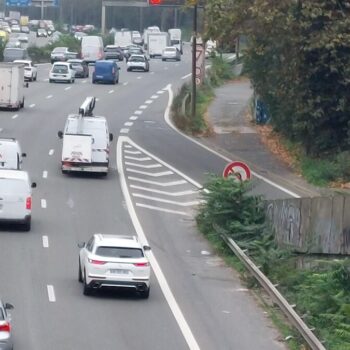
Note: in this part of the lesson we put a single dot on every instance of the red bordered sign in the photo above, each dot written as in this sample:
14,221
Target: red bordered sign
238,169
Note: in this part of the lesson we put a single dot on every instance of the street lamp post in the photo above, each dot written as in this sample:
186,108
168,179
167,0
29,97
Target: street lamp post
194,50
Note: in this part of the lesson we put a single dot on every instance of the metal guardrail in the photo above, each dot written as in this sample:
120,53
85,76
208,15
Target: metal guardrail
287,309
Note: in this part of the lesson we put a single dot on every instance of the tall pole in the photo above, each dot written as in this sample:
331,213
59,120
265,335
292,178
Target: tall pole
42,9
103,19
141,20
194,49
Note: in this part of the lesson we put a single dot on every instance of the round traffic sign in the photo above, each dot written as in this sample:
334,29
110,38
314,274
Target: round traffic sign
238,169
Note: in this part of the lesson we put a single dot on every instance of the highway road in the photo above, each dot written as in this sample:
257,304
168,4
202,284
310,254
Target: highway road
152,190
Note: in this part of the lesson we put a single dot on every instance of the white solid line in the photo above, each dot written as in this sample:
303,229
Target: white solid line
150,166
15,116
138,112
126,83
162,173
32,105
124,130
173,194
154,96
48,96
127,146
148,102
68,88
169,296
157,199
162,184
51,152
138,159
45,174
43,203
132,152
51,293
169,122
162,209
133,117
128,123
45,241
143,107
186,76
110,91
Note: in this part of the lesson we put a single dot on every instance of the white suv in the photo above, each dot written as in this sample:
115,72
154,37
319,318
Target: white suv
114,261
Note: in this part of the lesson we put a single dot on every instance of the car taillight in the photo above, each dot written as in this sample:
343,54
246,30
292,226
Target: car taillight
144,264
6,327
96,262
29,203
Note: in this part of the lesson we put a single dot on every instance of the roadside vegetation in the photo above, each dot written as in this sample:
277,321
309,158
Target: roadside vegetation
297,57
219,72
320,288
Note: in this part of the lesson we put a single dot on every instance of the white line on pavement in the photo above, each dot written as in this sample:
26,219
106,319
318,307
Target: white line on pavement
149,166
128,123
51,293
169,296
51,152
32,105
15,116
45,174
45,241
138,159
161,209
148,102
43,203
160,92
162,184
151,73
132,152
186,76
138,112
143,107
173,194
1,129
68,88
133,117
162,173
162,200
128,146
46,79
154,96
169,122
110,91
124,130
84,81
97,99
126,83
48,97
139,78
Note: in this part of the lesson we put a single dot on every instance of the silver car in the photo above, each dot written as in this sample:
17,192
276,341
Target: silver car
5,327
171,53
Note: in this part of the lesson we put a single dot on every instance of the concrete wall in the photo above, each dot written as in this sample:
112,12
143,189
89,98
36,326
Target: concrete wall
318,225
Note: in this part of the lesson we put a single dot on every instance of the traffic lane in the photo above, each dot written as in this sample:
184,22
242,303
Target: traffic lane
221,312
156,136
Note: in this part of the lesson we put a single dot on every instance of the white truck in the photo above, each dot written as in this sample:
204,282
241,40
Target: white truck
152,29
86,141
123,38
156,43
175,38
12,85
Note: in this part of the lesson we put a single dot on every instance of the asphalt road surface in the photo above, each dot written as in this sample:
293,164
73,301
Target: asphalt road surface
152,190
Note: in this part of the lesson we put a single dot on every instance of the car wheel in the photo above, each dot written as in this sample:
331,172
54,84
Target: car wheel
128,69
50,80
36,76
93,81
22,104
80,275
163,59
145,293
27,225
87,290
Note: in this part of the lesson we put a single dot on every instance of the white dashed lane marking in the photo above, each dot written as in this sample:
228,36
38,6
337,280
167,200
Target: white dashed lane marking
51,152
143,107
45,174
32,105
15,116
124,130
51,293
67,88
148,102
133,117
110,91
43,203
45,241
128,123
138,112
126,83
48,97
154,96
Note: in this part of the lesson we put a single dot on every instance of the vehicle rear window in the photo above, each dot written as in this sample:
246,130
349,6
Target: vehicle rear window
170,49
137,59
119,252
12,186
60,69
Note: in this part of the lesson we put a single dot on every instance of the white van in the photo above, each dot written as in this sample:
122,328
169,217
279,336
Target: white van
11,156
86,141
92,48
16,197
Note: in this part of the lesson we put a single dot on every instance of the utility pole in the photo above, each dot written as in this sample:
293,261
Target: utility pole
194,51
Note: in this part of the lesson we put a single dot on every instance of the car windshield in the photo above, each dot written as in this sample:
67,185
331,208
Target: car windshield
137,59
76,65
60,68
112,49
118,252
170,49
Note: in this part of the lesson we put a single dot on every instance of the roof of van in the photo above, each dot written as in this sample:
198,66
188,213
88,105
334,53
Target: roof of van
13,174
99,123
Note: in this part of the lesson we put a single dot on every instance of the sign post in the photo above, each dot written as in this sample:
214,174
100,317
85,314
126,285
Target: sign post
237,169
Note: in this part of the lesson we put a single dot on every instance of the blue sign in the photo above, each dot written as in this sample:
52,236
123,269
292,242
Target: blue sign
18,2
56,3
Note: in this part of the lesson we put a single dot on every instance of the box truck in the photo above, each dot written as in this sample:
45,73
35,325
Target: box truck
156,43
175,38
12,85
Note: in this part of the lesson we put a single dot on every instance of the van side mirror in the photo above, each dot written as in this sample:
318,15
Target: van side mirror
110,137
81,245
24,154
33,185
146,248
8,306
60,134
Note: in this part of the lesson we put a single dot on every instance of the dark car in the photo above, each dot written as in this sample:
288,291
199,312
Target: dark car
106,72
133,51
113,52
15,53
41,33
81,68
62,54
